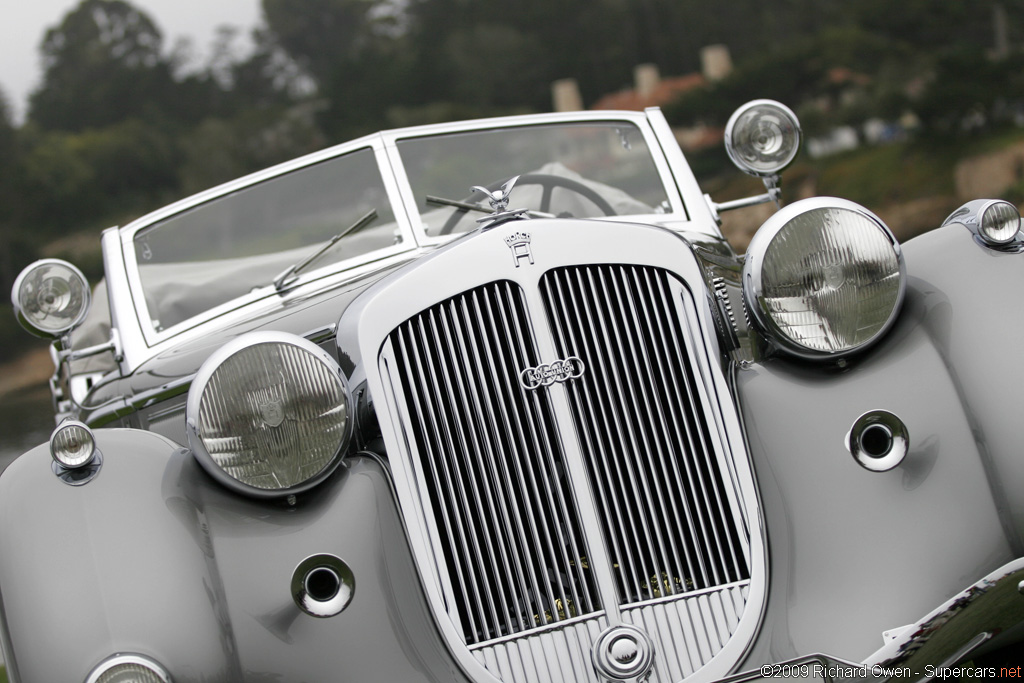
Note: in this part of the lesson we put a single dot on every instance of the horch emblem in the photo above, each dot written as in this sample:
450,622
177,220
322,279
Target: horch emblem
548,373
519,243
272,413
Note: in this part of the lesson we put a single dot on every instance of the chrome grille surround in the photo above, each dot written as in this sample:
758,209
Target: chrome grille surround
539,518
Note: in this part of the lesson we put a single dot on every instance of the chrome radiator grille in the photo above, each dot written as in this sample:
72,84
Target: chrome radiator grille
555,508
664,502
492,461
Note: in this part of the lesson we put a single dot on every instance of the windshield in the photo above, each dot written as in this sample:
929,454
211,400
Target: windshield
584,170
225,248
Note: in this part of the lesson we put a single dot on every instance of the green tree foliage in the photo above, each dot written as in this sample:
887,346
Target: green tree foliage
825,74
103,52
13,247
72,180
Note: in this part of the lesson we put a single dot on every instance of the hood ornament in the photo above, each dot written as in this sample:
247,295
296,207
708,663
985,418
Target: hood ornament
499,204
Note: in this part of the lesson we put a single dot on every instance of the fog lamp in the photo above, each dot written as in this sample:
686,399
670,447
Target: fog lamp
73,445
1000,222
762,137
128,668
268,414
824,277
50,297
993,222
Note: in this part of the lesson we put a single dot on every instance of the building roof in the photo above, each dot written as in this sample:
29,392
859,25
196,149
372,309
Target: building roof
664,92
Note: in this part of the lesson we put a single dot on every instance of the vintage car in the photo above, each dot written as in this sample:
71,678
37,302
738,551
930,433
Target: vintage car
495,401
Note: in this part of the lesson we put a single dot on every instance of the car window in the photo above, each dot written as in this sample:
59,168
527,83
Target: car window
227,247
584,170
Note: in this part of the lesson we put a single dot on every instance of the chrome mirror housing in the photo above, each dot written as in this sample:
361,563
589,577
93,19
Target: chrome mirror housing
51,297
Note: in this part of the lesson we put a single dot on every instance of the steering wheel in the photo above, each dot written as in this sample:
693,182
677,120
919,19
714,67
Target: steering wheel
548,183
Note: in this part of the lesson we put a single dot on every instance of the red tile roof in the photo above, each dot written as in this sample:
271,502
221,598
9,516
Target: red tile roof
666,91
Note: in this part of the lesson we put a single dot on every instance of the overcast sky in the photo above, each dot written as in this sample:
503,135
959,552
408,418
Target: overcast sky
23,23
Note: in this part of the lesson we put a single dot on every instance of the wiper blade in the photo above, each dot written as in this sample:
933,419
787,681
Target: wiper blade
468,206
291,274
457,204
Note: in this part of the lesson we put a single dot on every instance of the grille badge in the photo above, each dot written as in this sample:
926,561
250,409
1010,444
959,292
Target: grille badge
519,243
546,374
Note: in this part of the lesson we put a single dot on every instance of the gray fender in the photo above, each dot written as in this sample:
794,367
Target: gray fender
152,557
854,553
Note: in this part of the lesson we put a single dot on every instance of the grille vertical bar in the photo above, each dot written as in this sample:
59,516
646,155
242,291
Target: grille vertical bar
647,443
510,532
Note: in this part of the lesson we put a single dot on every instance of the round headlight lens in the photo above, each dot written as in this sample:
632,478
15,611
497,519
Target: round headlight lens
268,414
129,669
73,445
762,137
50,297
824,277
1000,222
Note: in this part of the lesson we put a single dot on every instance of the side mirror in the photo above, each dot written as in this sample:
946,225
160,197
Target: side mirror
51,297
762,138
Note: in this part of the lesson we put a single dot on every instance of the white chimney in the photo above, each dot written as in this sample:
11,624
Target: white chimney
565,94
715,62
646,78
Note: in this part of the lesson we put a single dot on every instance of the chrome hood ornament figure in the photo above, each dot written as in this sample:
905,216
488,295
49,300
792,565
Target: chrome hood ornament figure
499,204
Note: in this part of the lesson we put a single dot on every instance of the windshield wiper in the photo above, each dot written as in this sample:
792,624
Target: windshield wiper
291,274
468,206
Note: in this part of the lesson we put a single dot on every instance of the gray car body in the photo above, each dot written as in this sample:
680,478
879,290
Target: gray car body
154,557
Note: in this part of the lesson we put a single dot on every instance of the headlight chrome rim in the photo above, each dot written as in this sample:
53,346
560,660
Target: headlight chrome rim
753,276
999,224
741,123
20,295
120,660
272,417
63,442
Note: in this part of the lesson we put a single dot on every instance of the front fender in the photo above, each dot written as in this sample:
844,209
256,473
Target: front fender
854,553
152,557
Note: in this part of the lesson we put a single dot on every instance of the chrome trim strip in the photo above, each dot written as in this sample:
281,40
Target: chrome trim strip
122,309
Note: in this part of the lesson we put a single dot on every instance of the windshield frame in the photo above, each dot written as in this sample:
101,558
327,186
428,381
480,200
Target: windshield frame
141,340
355,265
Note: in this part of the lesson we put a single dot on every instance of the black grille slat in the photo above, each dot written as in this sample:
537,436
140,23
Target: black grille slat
731,550
637,406
510,534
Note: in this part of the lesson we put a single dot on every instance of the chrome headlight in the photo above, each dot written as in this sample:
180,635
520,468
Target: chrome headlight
50,297
128,668
994,222
73,445
762,137
268,414
824,277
